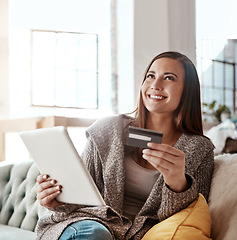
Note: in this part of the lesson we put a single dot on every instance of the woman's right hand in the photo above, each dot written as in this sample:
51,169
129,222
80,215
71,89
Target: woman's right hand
47,191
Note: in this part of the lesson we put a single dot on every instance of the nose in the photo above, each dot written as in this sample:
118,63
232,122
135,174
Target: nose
156,84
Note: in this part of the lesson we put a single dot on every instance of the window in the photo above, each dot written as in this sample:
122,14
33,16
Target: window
64,69
219,72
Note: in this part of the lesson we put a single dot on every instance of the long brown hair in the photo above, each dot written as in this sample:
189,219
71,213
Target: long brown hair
188,116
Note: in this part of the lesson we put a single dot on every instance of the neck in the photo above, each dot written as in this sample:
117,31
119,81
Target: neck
164,123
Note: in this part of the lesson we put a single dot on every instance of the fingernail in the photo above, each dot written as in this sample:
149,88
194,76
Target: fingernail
52,181
149,144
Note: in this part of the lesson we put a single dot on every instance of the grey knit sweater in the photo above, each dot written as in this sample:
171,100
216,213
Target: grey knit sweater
104,156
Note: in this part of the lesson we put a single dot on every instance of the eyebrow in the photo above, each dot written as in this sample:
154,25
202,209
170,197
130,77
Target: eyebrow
166,73
151,72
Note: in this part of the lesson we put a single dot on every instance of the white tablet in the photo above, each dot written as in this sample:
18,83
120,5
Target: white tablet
55,155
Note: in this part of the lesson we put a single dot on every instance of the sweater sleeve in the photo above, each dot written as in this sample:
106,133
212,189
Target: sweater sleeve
204,174
91,158
173,202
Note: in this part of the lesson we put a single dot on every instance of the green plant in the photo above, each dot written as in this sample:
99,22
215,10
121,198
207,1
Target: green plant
209,109
209,106
222,109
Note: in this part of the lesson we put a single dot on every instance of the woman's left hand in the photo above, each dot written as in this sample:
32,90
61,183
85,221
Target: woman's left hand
170,162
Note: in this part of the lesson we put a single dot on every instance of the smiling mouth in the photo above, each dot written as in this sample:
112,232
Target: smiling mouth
159,97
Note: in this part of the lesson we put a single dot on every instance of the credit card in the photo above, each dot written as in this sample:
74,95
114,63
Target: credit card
139,137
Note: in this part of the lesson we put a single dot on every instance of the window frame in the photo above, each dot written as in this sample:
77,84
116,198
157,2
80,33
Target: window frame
57,106
213,86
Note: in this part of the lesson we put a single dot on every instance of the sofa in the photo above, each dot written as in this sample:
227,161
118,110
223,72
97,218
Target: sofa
19,208
20,211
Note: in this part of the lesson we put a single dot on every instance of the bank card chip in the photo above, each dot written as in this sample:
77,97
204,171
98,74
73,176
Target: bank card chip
139,137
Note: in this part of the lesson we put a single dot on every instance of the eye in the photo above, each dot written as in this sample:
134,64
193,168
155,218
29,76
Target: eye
170,78
150,75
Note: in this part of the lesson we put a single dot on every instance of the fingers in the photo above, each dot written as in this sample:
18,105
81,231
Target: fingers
160,156
46,197
164,151
164,156
41,178
44,182
157,161
47,191
165,148
170,162
46,185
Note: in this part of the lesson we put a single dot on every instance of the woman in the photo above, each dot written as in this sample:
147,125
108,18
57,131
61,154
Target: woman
141,187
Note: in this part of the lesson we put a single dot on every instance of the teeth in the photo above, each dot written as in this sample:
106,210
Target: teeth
156,97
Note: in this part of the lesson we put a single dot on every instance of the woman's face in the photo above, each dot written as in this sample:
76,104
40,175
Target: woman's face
163,86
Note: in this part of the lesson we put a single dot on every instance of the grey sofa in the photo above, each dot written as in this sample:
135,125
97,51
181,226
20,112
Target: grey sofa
20,211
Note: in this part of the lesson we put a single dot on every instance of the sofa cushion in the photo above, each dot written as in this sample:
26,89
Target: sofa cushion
18,204
13,233
223,198
193,222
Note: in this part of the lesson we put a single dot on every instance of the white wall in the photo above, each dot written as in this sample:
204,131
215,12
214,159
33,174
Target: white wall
182,27
91,16
150,35
220,22
146,28
125,55
4,59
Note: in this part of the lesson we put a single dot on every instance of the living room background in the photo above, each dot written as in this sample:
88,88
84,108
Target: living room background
129,33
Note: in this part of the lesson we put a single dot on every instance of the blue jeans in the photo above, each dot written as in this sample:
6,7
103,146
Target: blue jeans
86,230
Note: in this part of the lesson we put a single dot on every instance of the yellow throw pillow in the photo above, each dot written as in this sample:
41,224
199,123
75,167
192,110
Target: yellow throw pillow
193,222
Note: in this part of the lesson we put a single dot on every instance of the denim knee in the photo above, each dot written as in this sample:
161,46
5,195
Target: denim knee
86,230
100,232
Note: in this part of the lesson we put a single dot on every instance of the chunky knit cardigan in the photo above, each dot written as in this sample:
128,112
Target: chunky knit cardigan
104,157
